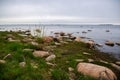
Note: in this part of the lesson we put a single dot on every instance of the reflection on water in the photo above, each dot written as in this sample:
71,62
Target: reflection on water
98,33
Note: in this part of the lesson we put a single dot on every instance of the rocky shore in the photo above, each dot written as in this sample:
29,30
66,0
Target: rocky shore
59,57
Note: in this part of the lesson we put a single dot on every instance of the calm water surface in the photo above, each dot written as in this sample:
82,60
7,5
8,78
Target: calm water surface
98,33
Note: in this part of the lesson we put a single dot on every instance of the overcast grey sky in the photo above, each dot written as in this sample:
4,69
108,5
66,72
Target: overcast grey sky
60,11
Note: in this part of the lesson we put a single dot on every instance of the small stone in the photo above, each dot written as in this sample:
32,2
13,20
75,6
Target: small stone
115,66
90,60
103,61
79,60
57,44
51,57
28,50
50,64
34,43
86,53
8,55
22,64
2,61
40,53
70,69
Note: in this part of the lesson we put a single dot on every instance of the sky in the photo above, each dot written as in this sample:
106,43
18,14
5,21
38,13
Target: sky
60,11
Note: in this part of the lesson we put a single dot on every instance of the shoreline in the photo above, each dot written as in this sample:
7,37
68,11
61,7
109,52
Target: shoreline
68,49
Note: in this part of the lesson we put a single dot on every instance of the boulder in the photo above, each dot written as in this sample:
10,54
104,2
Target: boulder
40,53
48,39
51,57
109,43
2,61
96,71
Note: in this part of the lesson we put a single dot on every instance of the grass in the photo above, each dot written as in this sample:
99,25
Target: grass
66,56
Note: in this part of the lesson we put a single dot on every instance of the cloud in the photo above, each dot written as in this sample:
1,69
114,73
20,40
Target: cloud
60,10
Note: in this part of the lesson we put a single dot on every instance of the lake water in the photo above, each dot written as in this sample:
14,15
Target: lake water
98,33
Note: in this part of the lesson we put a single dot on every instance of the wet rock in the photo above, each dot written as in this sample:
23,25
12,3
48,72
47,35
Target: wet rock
118,43
84,32
22,64
40,53
51,57
99,45
91,43
7,56
69,35
109,43
62,34
115,66
72,38
78,39
96,71
107,30
48,39
2,61
89,30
